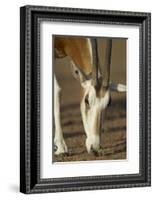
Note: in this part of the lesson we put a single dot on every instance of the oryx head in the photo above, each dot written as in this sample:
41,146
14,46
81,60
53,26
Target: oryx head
96,94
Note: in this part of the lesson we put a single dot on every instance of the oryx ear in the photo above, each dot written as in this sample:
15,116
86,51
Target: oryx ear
77,73
117,87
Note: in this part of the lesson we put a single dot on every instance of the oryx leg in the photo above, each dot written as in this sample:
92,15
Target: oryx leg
58,139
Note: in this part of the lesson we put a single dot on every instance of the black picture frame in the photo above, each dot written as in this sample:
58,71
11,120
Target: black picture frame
30,181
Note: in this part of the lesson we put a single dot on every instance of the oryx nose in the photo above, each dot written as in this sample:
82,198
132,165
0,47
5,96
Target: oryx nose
92,144
95,151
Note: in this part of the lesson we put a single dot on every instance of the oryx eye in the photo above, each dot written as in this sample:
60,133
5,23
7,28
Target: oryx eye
86,100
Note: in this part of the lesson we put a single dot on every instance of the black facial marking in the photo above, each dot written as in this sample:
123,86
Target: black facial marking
86,100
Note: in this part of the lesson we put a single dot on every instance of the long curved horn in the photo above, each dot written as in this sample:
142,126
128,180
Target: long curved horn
105,69
95,62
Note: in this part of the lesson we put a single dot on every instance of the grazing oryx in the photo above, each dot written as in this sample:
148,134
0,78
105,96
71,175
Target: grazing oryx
95,84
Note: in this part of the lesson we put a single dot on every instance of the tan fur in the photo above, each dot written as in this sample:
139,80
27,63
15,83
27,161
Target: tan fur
72,47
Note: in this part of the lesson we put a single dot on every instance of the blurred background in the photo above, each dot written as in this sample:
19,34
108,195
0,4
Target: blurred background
113,137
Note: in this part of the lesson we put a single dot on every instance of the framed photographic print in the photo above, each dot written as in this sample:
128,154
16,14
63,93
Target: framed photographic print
85,98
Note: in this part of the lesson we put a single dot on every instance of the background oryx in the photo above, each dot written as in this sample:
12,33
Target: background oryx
95,83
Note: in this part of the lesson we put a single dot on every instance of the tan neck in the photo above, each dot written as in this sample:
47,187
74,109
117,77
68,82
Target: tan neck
78,49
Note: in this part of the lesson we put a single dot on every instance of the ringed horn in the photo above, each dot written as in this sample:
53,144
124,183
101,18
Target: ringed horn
103,80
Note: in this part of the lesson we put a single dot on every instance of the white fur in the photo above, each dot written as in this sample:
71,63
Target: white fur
92,116
58,140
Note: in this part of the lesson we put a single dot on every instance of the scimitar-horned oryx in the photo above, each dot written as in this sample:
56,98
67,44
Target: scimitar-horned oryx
95,83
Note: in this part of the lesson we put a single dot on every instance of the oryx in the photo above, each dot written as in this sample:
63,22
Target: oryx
95,84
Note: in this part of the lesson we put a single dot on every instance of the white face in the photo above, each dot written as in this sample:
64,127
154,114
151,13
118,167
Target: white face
92,109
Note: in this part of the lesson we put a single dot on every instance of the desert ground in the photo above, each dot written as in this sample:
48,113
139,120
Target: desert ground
113,136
